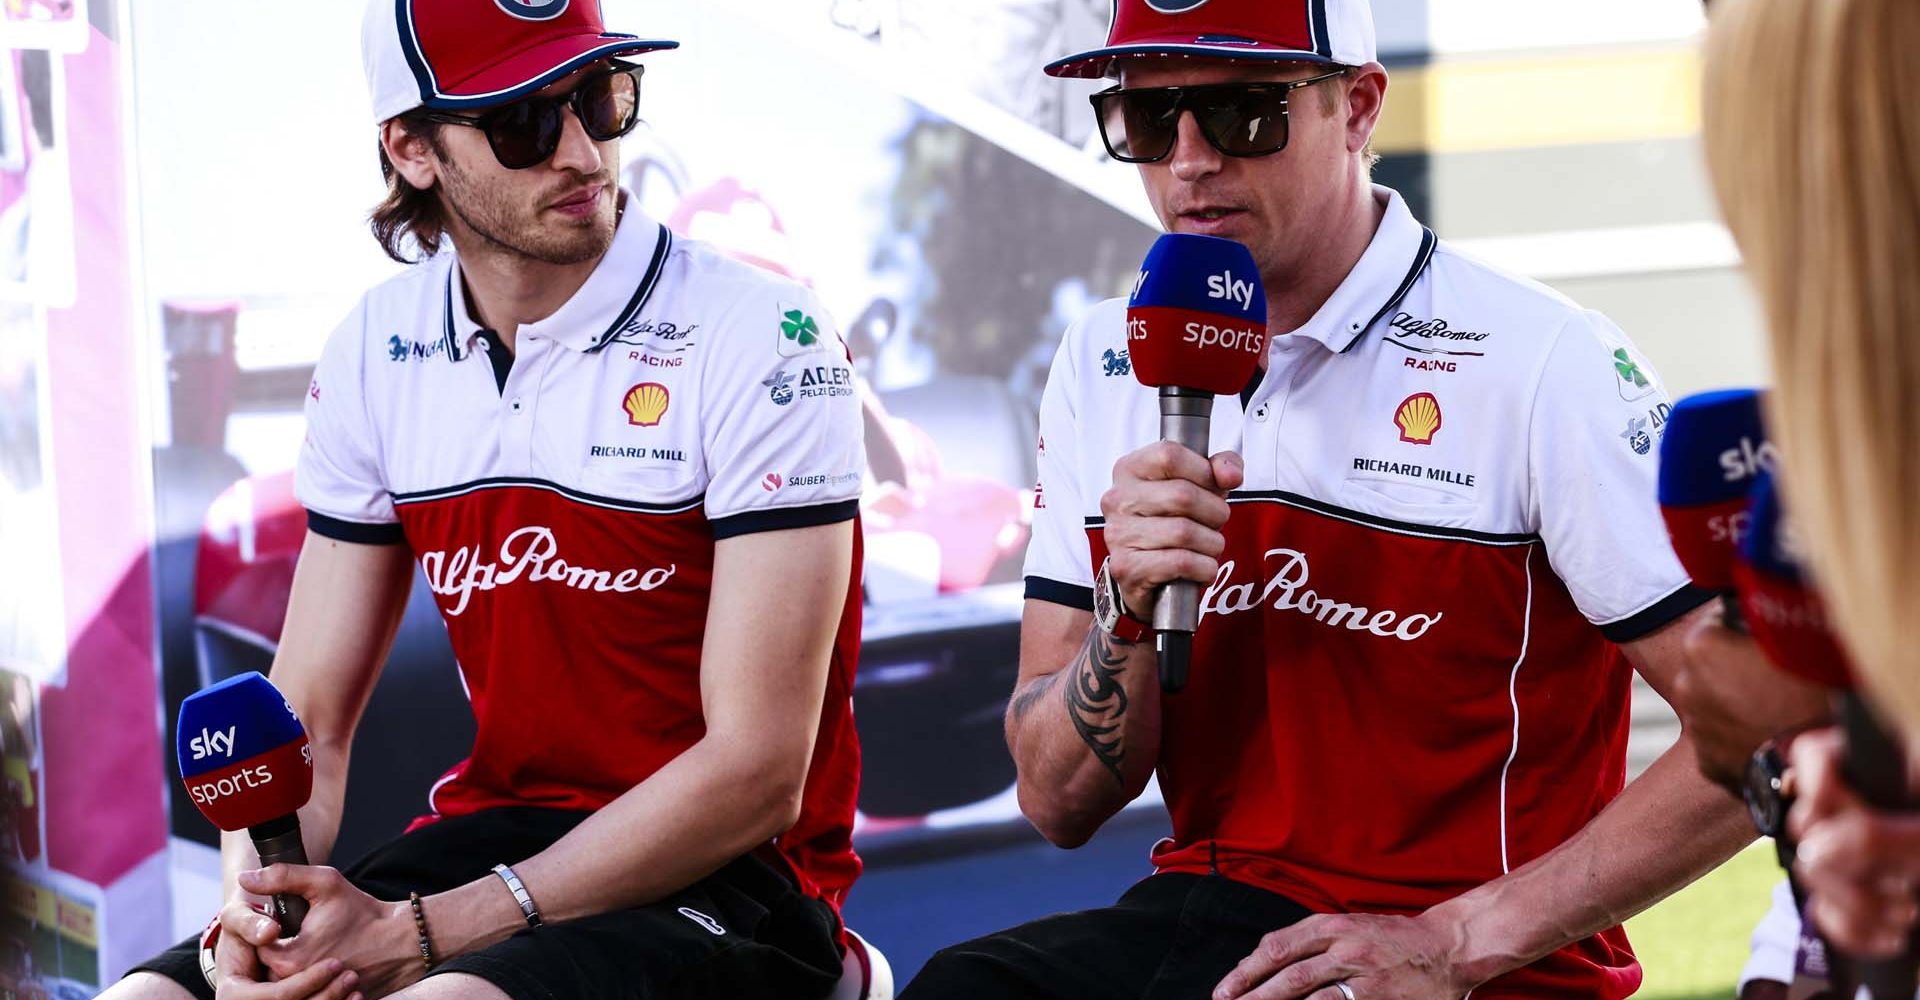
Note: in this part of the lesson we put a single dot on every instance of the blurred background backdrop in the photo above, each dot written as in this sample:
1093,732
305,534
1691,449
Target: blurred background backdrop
183,188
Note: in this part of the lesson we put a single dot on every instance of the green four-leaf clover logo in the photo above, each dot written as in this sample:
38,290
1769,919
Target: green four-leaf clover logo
1629,369
800,328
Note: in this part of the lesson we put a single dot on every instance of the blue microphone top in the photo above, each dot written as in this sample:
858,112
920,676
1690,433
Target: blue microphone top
233,720
1716,443
1769,544
1203,274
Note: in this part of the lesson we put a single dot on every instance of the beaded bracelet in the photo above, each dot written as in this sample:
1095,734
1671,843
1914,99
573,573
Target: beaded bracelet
420,924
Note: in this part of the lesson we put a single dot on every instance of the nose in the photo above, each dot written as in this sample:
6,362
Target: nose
577,150
1193,157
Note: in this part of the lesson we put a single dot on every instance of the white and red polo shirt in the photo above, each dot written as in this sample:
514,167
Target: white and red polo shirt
564,501
1405,681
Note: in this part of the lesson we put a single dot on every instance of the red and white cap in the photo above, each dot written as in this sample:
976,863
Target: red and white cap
449,54
1337,32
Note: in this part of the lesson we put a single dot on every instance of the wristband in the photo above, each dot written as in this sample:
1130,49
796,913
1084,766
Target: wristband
208,939
420,924
520,894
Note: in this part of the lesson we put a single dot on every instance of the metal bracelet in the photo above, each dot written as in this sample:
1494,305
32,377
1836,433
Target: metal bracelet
520,894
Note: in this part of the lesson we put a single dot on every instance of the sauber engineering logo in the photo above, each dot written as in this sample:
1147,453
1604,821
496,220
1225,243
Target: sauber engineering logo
530,554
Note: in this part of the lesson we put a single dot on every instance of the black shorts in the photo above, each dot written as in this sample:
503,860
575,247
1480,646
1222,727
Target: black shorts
1171,937
775,942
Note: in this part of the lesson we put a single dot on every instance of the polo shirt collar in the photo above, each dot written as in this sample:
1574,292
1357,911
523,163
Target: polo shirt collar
613,295
1392,265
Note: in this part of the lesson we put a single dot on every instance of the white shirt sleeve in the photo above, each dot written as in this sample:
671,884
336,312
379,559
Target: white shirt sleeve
339,478
781,425
1059,560
1594,450
1776,940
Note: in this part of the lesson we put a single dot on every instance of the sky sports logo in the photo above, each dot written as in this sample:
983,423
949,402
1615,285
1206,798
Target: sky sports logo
1226,286
213,741
1748,460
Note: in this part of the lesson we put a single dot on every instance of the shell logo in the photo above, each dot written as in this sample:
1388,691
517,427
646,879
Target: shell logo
646,403
1418,418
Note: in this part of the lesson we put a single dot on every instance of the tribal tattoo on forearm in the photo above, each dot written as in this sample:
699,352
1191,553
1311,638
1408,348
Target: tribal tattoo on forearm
1096,701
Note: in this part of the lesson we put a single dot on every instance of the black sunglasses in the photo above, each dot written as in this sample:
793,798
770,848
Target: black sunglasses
1238,119
526,133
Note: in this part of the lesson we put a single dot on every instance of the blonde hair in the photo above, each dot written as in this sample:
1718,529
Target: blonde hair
1813,141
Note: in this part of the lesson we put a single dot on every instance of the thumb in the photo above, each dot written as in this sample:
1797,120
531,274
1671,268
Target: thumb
273,880
1229,471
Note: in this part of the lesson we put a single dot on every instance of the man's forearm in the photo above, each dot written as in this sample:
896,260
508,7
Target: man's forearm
319,820
707,807
1664,830
1085,738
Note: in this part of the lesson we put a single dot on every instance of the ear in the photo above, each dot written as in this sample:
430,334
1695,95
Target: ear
411,155
1366,97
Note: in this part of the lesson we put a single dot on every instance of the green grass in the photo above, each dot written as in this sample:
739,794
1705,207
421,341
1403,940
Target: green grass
1694,944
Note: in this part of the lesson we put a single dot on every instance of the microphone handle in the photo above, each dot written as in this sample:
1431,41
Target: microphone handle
1875,768
278,842
1184,418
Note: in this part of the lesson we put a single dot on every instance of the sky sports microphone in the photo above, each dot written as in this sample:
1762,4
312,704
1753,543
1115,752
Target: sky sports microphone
1714,448
1788,620
248,766
1196,328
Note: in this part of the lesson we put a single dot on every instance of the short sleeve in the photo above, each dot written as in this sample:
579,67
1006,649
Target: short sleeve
1059,561
781,428
339,479
1598,413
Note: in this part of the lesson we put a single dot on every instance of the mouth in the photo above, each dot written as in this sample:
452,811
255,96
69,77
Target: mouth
1207,218
581,202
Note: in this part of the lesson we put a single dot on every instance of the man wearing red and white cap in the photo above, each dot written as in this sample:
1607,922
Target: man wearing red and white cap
628,468
1430,558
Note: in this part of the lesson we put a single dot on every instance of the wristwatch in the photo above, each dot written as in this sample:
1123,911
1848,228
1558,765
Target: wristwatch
1765,791
1110,612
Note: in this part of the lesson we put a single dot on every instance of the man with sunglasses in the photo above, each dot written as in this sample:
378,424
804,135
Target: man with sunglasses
629,470
1429,555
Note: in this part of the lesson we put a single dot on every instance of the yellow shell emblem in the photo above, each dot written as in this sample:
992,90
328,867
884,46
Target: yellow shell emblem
646,403
1418,418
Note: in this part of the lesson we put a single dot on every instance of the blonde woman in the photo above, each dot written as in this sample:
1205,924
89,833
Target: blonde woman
1813,138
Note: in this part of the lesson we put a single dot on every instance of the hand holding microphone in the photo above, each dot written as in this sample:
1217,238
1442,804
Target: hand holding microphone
248,766
1733,700
1196,328
1789,621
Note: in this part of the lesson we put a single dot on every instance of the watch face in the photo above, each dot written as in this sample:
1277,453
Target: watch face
1765,805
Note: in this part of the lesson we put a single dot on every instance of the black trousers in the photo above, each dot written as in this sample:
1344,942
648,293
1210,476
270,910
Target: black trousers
1171,937
744,931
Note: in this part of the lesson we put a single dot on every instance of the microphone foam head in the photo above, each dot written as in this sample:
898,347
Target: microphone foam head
1198,316
243,753
1786,615
1714,447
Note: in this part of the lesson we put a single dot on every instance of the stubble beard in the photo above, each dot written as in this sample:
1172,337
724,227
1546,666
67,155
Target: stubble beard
516,229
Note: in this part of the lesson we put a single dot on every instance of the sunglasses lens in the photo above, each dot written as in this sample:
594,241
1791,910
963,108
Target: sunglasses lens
609,105
1245,121
1139,126
525,133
